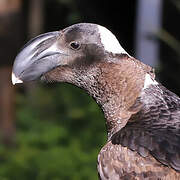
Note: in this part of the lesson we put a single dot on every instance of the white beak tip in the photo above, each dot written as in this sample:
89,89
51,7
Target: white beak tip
15,80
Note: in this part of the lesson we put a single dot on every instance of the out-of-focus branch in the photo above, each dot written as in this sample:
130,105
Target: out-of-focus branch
35,17
168,39
6,107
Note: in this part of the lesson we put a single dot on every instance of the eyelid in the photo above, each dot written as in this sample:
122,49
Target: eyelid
75,42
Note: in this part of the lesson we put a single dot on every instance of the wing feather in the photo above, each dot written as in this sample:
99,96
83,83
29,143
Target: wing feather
155,129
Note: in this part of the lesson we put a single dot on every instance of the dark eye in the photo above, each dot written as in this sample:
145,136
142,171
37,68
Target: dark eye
75,45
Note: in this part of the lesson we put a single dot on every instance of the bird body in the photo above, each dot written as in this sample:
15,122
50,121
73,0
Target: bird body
148,142
142,116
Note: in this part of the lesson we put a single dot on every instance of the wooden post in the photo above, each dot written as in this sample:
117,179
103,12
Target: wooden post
10,42
7,128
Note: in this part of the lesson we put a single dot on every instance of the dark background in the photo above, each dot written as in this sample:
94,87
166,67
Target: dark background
55,131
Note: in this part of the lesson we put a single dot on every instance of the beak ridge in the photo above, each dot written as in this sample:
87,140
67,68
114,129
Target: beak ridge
38,56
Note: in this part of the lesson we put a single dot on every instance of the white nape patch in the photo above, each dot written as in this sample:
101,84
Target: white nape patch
15,79
110,42
149,81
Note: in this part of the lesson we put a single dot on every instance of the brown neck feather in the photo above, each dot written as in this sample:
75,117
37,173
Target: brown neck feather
114,85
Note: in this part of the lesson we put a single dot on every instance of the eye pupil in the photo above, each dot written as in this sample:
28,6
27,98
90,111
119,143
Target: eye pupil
75,45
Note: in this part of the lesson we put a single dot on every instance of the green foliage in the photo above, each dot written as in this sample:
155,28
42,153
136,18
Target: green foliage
60,131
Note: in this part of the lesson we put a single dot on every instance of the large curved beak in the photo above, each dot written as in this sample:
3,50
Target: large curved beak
37,57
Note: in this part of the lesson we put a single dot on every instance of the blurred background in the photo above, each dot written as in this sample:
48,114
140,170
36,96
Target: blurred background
55,131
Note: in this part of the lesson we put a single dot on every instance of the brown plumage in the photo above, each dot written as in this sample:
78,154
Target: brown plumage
142,116
117,162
